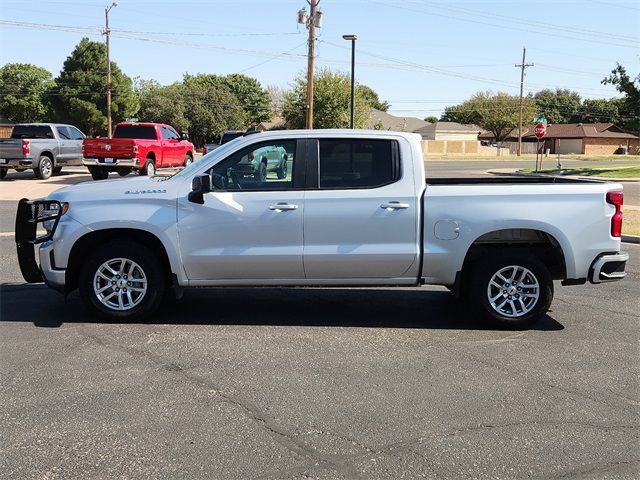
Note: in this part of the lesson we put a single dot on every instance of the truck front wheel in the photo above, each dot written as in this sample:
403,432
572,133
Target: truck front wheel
512,290
121,281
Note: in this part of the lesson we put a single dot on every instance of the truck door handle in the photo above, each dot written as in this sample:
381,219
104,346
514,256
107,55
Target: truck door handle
280,207
394,206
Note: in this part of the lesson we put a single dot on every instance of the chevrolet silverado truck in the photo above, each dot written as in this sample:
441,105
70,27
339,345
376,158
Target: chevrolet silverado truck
353,210
44,147
141,147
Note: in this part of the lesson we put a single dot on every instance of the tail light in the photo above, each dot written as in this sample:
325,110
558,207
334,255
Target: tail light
26,148
615,199
135,149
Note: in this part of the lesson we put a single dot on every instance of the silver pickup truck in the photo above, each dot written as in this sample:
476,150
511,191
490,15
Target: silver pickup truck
43,147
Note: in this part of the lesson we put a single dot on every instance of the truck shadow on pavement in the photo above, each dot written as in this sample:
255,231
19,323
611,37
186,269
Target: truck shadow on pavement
338,307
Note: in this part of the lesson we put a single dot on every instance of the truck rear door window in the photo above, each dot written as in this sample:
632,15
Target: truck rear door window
32,131
358,163
135,131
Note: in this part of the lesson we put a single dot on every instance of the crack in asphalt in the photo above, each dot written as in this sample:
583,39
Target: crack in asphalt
251,411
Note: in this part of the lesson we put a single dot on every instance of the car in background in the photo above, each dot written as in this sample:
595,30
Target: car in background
141,147
259,162
226,136
43,147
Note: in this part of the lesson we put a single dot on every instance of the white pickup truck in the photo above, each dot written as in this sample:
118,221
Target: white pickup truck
354,209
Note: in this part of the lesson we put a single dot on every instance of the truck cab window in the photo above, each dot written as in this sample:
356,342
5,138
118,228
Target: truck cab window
355,163
263,166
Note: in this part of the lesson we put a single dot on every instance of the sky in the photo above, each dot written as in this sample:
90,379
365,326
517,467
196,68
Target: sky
419,55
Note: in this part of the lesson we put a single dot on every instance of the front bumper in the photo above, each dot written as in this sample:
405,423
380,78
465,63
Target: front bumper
117,162
30,213
608,267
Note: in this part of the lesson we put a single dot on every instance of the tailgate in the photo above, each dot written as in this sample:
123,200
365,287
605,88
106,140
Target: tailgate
108,147
11,148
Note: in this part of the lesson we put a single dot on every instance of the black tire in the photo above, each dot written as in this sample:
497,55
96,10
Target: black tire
142,304
188,160
99,173
261,172
123,172
515,305
3,173
57,170
44,170
149,168
282,171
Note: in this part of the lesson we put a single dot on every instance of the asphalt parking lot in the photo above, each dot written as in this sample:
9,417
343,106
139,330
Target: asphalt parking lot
317,383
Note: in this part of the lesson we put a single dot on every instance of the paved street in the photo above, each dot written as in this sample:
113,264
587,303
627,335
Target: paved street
317,383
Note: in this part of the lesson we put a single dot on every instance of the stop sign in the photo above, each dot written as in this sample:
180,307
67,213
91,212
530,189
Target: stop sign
540,129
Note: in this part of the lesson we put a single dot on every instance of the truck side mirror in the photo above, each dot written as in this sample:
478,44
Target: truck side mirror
199,186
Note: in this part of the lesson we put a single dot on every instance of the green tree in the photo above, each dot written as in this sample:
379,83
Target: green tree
559,106
23,89
431,119
255,101
630,87
331,102
601,110
210,107
162,104
80,97
372,98
497,113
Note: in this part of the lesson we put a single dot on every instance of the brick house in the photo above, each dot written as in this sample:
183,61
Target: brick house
581,138
5,127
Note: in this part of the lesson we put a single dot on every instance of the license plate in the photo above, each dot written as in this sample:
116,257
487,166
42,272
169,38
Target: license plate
108,160
3,161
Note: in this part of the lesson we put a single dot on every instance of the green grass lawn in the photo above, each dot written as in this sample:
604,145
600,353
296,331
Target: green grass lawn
605,172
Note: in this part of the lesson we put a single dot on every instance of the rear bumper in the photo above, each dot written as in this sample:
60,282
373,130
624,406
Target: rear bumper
17,163
117,162
608,267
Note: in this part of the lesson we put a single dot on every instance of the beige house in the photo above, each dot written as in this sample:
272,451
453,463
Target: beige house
449,131
581,138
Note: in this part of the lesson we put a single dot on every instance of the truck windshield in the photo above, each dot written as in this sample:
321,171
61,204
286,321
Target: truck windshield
135,131
32,131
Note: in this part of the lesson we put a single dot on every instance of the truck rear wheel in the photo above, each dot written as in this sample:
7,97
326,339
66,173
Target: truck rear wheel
149,168
99,173
44,170
3,173
188,160
512,290
122,280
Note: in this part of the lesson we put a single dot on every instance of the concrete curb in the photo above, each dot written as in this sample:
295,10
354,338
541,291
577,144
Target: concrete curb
631,239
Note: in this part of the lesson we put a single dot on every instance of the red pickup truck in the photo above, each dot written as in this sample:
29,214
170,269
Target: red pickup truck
144,147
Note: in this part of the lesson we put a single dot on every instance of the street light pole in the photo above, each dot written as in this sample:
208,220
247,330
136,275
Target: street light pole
353,39
106,34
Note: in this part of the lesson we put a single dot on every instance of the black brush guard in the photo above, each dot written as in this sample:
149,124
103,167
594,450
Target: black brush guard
30,213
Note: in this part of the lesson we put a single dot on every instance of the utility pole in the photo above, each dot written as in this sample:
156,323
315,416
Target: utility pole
353,39
312,39
522,66
106,34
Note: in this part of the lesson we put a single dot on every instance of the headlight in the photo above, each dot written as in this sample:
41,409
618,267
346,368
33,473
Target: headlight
53,211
